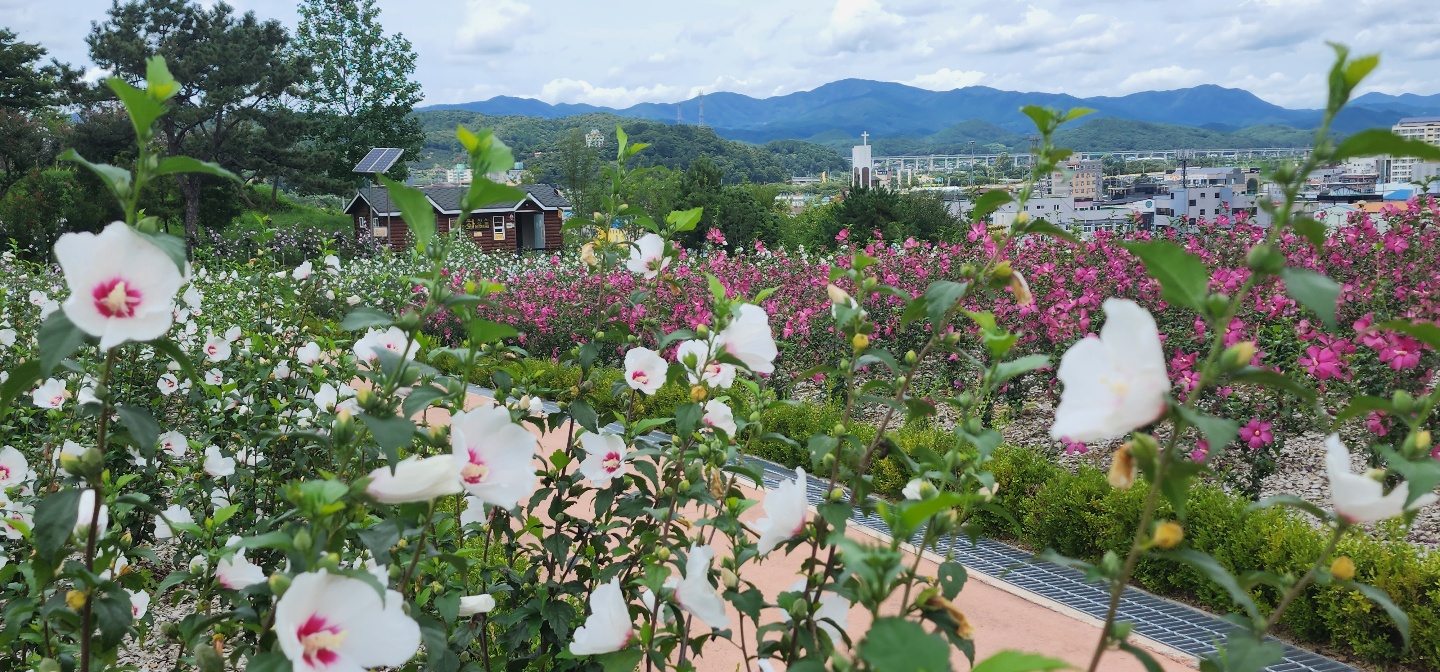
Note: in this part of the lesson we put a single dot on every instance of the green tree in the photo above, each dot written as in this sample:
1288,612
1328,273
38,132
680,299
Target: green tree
360,90
575,167
234,70
30,97
924,216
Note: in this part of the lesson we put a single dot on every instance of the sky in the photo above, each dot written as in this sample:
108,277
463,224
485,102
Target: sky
620,52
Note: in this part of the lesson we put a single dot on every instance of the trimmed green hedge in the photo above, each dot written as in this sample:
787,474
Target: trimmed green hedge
1080,515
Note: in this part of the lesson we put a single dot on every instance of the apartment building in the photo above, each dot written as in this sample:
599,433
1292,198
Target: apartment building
1424,129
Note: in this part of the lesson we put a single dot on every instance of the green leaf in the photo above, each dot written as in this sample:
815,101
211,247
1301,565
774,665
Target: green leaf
898,645
114,177
585,415
916,512
142,108
687,418
22,379
1210,567
143,428
419,398
1243,653
624,660
684,220
1007,370
940,297
168,348
392,433
415,209
988,203
1274,381
1183,277
481,330
159,83
1425,332
952,577
184,164
59,338
1019,661
1043,117
112,614
366,317
1146,660
1218,431
1382,598
1043,228
1375,141
1364,404
1293,502
1316,291
172,246
483,192
1313,230
269,662
54,523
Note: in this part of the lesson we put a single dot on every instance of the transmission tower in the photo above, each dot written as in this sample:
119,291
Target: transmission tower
701,121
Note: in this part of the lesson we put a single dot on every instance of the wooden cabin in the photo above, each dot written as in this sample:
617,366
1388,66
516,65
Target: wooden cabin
532,223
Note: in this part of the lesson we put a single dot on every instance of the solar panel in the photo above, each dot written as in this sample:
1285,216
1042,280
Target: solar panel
379,160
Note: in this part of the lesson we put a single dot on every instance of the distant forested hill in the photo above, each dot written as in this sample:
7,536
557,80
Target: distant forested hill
671,146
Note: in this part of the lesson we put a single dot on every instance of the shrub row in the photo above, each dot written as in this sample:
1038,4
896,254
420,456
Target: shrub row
1080,515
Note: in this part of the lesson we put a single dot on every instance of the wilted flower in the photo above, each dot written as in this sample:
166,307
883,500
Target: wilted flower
1123,468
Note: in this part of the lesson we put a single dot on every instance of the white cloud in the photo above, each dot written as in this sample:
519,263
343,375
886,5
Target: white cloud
946,79
565,90
1162,79
493,27
859,26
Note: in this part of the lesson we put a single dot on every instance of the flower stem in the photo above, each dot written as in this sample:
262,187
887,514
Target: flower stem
1304,581
92,534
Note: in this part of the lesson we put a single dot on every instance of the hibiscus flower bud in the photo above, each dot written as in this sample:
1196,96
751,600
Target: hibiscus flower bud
698,393
1402,401
1238,355
1343,568
1123,468
728,578
1169,534
860,341
1265,259
75,599
1422,439
662,554
837,296
278,583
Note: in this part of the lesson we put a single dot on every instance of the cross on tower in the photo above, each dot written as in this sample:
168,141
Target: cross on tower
864,137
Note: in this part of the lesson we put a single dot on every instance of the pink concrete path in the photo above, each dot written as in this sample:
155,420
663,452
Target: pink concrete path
1003,617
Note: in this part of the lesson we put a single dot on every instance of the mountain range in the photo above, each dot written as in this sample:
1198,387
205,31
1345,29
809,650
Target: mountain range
836,113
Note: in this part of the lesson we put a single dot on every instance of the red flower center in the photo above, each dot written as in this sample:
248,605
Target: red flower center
114,298
320,639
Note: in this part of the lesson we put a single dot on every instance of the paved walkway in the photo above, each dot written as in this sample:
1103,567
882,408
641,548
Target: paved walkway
1003,616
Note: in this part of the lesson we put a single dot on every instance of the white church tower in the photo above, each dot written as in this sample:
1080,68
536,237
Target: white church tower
862,165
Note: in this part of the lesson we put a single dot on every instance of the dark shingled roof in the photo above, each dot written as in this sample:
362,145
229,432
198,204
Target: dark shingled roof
447,198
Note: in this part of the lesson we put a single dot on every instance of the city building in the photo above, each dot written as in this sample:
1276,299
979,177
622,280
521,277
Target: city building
1079,179
460,174
1401,168
594,138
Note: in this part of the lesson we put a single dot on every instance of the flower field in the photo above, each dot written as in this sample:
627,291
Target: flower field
276,463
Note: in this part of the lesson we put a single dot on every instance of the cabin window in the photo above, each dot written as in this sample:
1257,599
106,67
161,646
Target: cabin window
497,224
